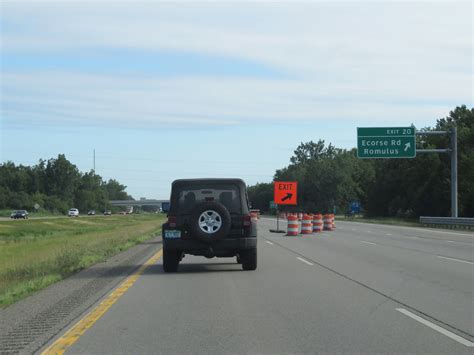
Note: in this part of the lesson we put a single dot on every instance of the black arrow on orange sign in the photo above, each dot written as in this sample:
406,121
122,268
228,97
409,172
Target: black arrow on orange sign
287,197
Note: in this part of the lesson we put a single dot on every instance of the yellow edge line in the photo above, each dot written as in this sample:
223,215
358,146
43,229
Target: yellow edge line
73,334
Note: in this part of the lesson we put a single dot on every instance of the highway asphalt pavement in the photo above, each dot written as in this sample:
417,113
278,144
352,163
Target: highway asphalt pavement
363,288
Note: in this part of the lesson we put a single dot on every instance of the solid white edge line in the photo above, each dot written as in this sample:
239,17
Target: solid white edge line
363,241
453,259
303,260
433,326
269,242
422,229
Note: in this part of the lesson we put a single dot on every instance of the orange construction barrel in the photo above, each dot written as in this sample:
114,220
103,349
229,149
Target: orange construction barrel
327,222
254,217
293,226
317,223
307,224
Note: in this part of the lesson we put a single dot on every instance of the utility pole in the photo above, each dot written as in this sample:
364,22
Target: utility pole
94,160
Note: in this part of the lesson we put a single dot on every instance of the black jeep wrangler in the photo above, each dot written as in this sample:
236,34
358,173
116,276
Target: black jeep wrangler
211,218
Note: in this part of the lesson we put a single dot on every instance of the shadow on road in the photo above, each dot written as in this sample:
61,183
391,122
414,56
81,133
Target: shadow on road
152,242
126,270
195,268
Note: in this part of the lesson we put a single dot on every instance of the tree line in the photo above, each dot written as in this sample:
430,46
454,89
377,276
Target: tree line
331,178
56,185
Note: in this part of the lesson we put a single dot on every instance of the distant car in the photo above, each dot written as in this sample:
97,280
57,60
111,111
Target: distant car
91,213
73,212
123,213
19,214
107,213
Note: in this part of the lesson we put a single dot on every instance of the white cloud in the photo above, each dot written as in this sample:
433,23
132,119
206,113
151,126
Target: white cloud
344,61
62,97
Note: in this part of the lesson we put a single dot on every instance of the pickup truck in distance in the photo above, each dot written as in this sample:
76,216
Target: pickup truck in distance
211,218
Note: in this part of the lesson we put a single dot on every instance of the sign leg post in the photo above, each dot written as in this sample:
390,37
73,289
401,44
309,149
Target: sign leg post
278,219
277,230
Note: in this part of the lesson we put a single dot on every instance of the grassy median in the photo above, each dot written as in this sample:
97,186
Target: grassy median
37,253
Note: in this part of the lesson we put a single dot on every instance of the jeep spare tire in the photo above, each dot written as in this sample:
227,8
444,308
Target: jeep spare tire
210,221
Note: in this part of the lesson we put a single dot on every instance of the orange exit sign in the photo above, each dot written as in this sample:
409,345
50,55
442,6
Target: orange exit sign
285,192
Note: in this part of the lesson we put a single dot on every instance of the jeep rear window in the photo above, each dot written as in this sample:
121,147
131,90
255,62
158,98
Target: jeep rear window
188,197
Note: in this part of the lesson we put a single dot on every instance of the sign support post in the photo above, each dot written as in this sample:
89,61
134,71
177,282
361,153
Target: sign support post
454,172
399,142
278,219
453,152
277,230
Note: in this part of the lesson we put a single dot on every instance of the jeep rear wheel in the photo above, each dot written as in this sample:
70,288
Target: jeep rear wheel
248,258
210,221
171,259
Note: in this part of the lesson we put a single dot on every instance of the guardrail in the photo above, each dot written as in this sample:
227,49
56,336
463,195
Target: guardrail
467,223
144,202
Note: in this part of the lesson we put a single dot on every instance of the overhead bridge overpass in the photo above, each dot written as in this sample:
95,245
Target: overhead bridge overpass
143,202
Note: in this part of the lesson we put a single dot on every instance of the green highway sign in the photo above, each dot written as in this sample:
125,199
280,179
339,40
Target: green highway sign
386,142
273,205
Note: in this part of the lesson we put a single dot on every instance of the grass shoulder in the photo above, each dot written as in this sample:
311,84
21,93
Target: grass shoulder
37,253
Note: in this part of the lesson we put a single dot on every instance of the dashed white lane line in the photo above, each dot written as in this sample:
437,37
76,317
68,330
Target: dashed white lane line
268,242
363,241
368,231
305,261
389,234
437,328
458,260
449,241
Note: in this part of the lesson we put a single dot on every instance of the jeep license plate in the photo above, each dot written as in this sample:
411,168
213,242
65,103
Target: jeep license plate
172,234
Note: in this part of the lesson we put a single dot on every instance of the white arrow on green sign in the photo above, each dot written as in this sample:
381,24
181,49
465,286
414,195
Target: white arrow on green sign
386,142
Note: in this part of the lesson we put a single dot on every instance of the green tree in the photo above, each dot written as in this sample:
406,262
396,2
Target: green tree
116,191
462,118
61,178
260,195
56,185
330,177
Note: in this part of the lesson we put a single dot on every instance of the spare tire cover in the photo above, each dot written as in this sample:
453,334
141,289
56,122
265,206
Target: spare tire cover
210,221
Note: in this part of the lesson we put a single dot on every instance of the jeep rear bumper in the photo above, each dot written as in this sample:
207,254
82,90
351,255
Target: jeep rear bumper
197,247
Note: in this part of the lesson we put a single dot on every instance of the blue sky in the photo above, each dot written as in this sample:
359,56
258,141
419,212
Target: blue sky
165,90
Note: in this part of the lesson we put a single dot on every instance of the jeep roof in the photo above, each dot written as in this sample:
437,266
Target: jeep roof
210,184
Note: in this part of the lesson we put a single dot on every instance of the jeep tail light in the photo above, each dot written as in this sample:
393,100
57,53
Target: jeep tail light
172,221
246,221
